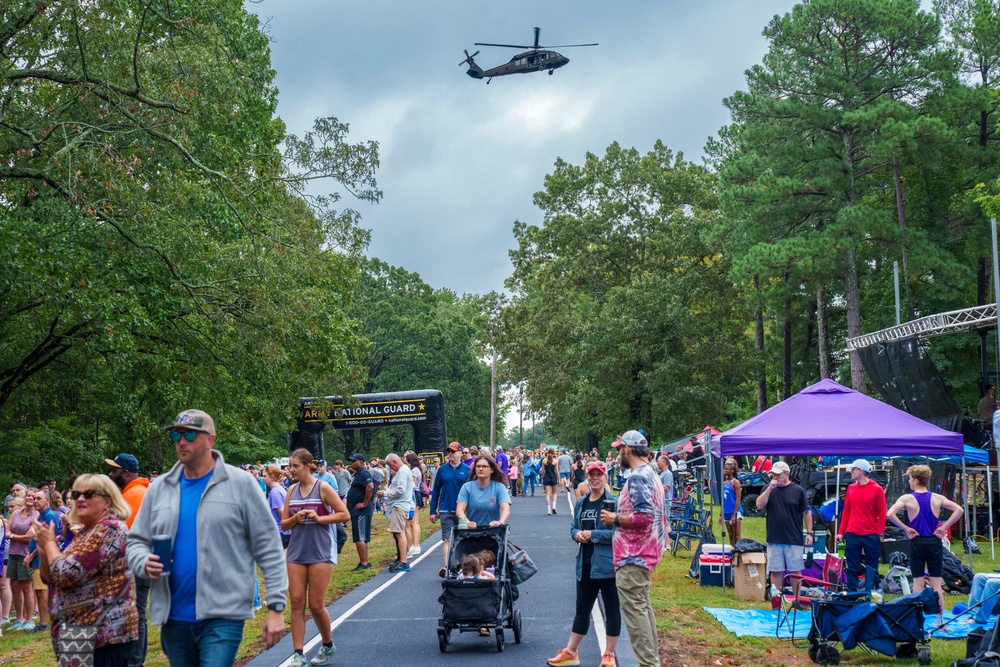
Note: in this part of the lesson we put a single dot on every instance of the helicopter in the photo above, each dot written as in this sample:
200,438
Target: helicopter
536,59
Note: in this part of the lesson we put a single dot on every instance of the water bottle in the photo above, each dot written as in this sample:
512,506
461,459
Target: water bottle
809,555
463,523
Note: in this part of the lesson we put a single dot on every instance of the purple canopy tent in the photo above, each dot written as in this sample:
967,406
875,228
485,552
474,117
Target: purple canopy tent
828,419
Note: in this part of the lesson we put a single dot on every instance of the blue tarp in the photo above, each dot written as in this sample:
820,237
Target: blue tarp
762,623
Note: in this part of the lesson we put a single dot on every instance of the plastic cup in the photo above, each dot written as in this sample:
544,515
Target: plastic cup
609,505
163,548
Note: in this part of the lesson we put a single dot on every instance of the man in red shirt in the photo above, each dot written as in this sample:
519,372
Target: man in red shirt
862,525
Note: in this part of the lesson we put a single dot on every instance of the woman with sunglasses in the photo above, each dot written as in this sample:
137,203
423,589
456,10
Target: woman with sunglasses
311,508
483,500
93,569
19,530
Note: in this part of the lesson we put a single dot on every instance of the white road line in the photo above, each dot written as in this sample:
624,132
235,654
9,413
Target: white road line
334,624
595,612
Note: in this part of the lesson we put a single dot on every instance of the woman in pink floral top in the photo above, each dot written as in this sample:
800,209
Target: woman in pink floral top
91,576
18,571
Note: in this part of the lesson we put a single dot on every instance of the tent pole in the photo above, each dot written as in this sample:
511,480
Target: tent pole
965,501
989,505
836,514
710,457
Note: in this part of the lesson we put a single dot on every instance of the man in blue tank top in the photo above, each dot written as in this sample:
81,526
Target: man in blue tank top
925,531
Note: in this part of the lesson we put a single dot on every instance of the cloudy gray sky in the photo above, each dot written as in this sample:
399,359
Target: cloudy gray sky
460,160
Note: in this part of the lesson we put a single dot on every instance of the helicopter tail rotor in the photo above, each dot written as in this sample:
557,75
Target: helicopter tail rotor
468,58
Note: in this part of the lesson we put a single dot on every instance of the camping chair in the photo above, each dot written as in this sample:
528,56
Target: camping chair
789,604
689,528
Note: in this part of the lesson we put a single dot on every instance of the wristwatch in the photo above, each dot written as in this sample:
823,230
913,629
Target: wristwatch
276,606
617,522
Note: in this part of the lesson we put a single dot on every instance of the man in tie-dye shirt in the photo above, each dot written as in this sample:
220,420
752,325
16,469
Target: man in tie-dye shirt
641,527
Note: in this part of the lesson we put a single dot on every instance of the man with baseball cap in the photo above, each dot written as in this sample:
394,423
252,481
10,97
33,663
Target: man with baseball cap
786,510
219,526
359,504
862,525
125,474
444,495
641,527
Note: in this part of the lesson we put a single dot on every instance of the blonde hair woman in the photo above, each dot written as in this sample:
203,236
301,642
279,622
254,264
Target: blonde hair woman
93,569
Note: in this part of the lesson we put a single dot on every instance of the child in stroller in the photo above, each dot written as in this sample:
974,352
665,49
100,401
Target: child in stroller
473,567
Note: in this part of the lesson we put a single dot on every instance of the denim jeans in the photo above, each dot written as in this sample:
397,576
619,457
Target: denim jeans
138,658
858,564
984,588
209,643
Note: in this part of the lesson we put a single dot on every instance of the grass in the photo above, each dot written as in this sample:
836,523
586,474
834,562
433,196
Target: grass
688,634
35,650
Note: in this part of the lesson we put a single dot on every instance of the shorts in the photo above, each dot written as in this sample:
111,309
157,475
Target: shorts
16,570
925,552
785,557
361,526
564,475
36,581
397,520
448,522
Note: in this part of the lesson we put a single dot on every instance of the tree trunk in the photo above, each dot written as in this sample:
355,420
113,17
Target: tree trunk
758,330
821,342
786,361
901,216
853,298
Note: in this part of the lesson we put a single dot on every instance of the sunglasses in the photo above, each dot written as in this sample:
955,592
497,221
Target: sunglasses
190,436
87,495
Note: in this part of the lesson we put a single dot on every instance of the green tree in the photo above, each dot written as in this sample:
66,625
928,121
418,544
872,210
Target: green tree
618,301
159,251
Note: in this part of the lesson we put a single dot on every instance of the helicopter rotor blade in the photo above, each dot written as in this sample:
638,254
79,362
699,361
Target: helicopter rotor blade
537,30
566,46
467,57
506,46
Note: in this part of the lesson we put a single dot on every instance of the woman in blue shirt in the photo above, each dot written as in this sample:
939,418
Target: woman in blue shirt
484,500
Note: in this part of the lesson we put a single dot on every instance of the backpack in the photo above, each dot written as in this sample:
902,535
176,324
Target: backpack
955,577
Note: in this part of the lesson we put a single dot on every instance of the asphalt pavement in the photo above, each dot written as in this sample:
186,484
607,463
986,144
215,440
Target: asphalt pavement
393,618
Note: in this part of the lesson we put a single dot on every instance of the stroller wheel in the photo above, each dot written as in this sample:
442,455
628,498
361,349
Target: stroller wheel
826,654
907,650
442,639
499,640
516,626
814,652
924,655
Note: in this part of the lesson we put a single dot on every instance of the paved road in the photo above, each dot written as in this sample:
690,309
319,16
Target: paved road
392,619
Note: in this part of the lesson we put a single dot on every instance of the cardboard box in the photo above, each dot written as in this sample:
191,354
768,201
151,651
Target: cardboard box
750,576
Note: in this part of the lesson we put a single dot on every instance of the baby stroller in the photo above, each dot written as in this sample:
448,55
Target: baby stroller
850,621
468,605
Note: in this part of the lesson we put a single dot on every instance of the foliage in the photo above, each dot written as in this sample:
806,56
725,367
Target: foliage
618,300
160,253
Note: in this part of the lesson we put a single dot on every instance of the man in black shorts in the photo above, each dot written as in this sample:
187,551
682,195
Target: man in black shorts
359,504
924,530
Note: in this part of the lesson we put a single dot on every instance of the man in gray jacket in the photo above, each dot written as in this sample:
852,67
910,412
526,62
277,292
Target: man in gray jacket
219,526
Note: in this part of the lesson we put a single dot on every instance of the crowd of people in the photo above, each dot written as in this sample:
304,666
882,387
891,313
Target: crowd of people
117,552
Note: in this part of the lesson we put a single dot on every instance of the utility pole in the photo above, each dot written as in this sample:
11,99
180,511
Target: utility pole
520,417
493,405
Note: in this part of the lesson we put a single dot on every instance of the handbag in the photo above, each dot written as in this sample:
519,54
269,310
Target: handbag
520,564
77,643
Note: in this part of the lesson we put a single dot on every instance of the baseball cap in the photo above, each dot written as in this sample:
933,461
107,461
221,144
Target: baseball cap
596,465
862,464
125,462
194,420
617,443
357,456
780,467
634,439
454,447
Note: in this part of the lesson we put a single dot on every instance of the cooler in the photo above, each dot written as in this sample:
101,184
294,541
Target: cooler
712,568
819,540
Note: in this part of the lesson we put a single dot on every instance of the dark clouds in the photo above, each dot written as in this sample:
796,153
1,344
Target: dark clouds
462,159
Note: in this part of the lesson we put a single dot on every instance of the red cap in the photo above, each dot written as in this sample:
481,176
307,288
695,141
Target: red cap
454,447
596,465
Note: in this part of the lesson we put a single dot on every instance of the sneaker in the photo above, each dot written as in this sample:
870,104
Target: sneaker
399,567
325,653
28,626
548,511
608,659
415,550
4,621
16,625
564,659
41,627
554,510
298,660
442,572
965,620
362,566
